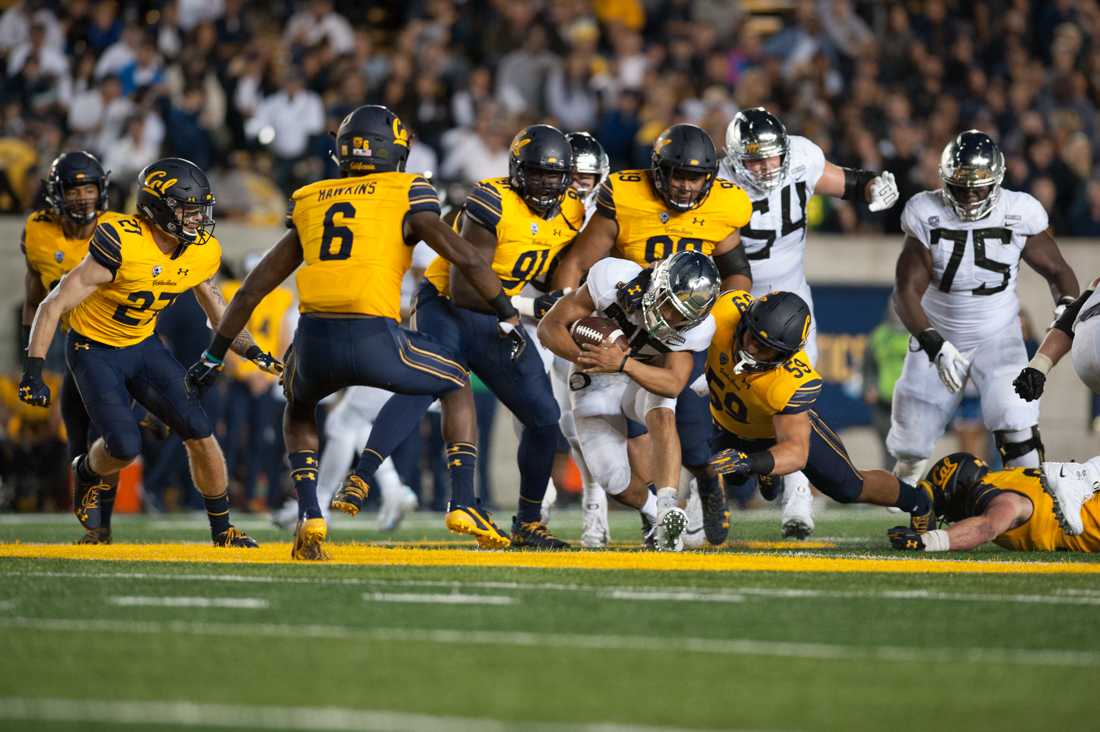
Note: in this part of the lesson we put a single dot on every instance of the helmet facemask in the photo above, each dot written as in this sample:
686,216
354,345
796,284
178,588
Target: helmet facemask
746,361
968,206
542,188
80,210
195,221
764,178
663,175
666,312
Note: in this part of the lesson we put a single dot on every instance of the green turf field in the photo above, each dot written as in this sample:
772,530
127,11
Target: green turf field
120,645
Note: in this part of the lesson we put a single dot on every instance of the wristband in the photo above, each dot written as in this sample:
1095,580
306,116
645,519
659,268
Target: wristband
936,541
930,342
208,356
219,344
762,463
523,305
855,183
622,366
25,338
33,368
1041,363
502,306
253,351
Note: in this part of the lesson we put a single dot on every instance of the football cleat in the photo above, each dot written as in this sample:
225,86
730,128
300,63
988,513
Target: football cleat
95,536
694,536
716,515
922,523
649,533
1070,485
86,497
797,517
549,500
534,535
394,509
234,537
309,540
350,497
769,486
668,533
476,522
595,533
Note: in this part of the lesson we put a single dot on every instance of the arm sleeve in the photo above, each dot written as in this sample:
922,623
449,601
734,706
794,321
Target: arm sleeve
605,200
106,247
422,197
483,205
803,398
1068,319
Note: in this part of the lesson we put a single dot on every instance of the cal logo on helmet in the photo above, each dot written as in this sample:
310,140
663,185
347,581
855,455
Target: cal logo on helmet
942,472
400,134
158,182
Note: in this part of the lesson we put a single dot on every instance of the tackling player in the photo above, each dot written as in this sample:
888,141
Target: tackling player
762,393
955,291
680,204
663,315
1052,508
135,268
780,173
352,238
1075,331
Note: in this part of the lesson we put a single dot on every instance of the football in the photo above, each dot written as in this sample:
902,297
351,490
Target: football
596,329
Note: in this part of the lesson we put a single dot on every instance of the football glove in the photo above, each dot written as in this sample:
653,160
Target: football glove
517,341
543,303
629,294
883,192
905,539
732,464
265,361
1029,384
33,391
952,367
203,372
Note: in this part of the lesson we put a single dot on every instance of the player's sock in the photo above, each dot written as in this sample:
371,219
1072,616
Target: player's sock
649,509
303,472
462,465
217,511
84,471
107,506
536,463
912,500
396,421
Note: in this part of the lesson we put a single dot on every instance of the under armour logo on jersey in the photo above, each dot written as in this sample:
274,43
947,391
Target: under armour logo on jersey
663,217
534,229
698,222
157,270
79,346
182,271
58,256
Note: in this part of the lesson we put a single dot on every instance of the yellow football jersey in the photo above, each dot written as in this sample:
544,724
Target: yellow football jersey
1041,532
527,244
744,404
353,245
649,230
124,312
48,251
266,326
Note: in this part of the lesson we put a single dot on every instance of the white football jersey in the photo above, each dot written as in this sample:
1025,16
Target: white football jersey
603,280
974,263
775,239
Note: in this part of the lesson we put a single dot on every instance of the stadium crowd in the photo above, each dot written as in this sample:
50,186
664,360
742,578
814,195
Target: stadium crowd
250,91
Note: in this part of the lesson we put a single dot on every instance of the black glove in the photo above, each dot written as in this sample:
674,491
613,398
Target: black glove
905,539
517,340
629,294
203,372
1029,384
32,390
265,361
543,303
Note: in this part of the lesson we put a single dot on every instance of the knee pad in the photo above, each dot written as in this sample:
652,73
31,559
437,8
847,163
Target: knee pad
1020,448
124,444
910,470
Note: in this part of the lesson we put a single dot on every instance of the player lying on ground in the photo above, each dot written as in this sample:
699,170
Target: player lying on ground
660,318
351,240
1051,508
762,393
136,267
1075,331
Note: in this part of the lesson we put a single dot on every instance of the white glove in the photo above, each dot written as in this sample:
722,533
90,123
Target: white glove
884,192
699,386
953,367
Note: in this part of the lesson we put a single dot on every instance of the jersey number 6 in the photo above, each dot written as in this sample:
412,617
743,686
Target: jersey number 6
334,232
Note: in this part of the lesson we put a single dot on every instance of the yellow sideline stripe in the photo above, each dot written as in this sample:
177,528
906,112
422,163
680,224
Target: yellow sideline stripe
366,554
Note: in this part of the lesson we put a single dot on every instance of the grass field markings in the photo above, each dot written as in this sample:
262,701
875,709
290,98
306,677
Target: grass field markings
369,555
526,639
268,717
232,603
452,598
671,596
1058,597
7,604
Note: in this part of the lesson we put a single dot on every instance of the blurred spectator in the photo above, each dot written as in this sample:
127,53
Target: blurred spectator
99,113
1084,217
570,95
319,25
16,22
145,70
126,156
189,138
286,121
482,152
522,74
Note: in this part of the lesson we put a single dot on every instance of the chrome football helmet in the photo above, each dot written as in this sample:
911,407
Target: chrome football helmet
972,168
688,281
756,134
589,158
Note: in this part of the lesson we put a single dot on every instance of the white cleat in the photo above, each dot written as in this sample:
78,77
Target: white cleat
694,537
797,517
549,500
669,531
595,533
286,518
1070,485
392,511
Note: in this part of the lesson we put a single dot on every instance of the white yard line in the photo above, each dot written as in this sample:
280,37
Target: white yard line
452,598
703,594
334,719
235,603
640,595
709,646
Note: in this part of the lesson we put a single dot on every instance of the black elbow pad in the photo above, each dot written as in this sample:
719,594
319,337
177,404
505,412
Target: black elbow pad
733,262
1066,320
855,183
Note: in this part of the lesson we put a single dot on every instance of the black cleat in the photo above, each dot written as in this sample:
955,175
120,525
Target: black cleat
534,535
769,486
716,515
234,537
86,497
649,535
922,523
